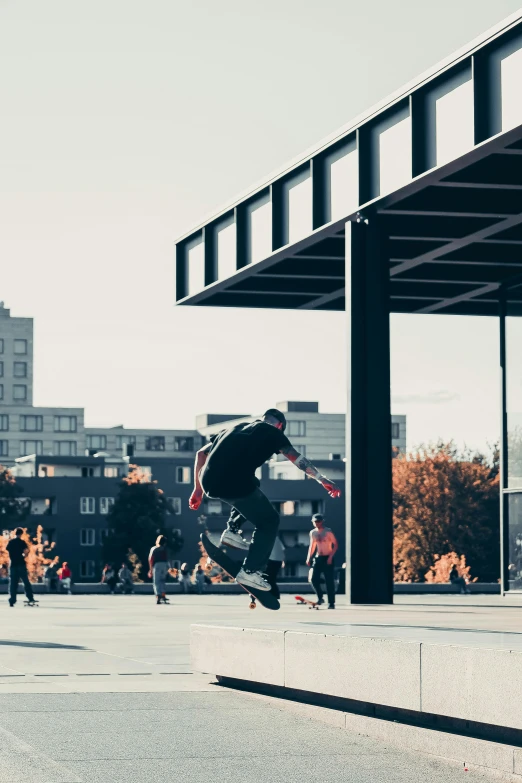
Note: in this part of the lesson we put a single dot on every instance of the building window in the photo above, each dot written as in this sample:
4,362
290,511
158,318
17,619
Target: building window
31,423
19,392
396,433
296,428
87,472
155,443
105,533
19,369
182,475
30,447
175,503
87,568
64,448
106,505
96,441
4,422
4,448
183,444
214,507
46,471
65,423
122,439
20,347
111,471
1,391
87,536
1,344
288,508
2,369
87,506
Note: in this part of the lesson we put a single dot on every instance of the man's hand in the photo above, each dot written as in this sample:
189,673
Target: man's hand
195,499
308,563
332,489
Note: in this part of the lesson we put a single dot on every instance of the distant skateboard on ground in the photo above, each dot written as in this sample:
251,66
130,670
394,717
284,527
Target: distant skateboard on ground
30,603
232,567
311,604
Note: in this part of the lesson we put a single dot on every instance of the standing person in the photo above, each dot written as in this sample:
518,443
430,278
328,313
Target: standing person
323,546
200,580
226,469
124,575
159,565
274,565
458,580
18,551
185,577
65,575
51,578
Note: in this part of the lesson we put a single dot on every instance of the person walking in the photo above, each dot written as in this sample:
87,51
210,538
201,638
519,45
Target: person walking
159,566
200,580
18,550
185,577
225,468
65,575
274,565
323,546
125,584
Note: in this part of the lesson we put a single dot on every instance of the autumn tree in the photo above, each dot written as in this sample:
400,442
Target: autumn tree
445,502
135,520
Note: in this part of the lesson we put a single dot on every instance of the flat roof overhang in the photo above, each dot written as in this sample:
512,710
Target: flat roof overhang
454,230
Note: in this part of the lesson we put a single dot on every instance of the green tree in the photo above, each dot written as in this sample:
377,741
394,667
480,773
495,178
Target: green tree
136,518
446,502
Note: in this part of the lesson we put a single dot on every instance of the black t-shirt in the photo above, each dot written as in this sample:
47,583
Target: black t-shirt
16,548
235,455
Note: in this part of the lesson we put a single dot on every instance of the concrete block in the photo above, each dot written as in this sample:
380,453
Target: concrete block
469,750
476,684
243,653
382,671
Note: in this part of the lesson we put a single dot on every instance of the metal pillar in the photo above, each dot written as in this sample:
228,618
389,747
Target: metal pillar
369,523
503,484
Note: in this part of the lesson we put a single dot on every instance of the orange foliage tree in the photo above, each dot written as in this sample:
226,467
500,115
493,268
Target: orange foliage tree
445,502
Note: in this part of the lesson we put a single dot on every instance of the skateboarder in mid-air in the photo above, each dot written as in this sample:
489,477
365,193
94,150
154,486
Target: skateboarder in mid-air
226,468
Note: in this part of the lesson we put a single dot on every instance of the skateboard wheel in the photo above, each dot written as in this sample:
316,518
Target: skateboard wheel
252,605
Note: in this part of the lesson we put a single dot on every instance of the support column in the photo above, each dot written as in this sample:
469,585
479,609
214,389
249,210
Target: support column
369,523
503,447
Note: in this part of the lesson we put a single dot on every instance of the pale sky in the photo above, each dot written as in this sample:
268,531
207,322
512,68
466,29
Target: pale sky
124,122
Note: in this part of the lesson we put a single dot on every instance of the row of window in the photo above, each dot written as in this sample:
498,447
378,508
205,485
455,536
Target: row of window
19,392
152,442
299,508
34,423
88,505
19,346
19,369
61,448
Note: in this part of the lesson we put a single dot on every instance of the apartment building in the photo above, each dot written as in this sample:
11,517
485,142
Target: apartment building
144,442
16,359
317,435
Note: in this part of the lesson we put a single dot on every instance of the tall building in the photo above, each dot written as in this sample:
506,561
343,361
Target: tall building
16,359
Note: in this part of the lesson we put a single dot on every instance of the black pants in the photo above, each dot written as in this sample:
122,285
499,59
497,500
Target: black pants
272,571
320,567
257,509
15,574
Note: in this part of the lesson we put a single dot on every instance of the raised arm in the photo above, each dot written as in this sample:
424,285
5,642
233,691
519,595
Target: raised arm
197,494
307,467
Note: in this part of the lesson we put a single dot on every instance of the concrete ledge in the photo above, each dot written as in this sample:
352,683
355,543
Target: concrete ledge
436,684
223,588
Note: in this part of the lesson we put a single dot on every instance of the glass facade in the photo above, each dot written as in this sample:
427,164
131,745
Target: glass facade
395,156
196,267
298,191
511,79
226,249
454,117
260,228
342,182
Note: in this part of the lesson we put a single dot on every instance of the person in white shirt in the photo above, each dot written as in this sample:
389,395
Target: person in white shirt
323,546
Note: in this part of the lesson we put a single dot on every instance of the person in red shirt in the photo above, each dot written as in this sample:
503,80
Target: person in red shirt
65,575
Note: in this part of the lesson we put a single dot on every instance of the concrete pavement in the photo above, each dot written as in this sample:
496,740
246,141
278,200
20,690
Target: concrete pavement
97,688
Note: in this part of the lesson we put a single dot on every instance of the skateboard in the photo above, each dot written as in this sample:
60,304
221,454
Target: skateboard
311,604
232,567
30,603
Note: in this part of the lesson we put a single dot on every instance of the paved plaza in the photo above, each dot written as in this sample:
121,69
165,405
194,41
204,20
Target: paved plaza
100,687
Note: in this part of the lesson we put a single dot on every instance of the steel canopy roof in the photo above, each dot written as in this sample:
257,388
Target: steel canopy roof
455,230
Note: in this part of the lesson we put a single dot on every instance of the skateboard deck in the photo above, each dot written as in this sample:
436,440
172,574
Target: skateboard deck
232,567
311,604
30,603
